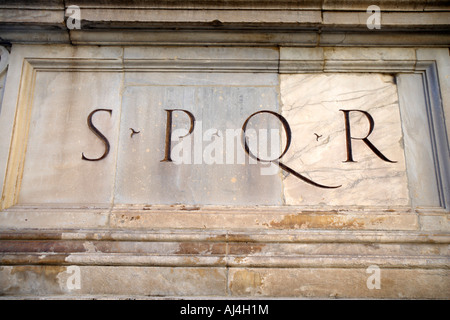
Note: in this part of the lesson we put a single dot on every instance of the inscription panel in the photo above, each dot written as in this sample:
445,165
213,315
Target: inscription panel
209,165
215,139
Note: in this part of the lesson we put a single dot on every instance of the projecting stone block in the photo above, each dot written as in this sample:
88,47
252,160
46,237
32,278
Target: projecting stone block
205,166
346,133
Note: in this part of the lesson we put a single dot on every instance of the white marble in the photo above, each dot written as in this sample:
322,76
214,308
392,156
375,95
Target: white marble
219,102
311,104
58,135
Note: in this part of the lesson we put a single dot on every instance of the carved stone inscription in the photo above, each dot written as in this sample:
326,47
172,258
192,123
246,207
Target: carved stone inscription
189,149
348,131
334,139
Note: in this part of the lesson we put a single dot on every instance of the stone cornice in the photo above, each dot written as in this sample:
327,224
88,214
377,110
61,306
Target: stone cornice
318,22
392,5
235,14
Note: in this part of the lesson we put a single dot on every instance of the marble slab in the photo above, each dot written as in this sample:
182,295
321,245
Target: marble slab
313,104
208,166
54,171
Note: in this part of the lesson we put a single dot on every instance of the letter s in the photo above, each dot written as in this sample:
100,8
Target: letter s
98,134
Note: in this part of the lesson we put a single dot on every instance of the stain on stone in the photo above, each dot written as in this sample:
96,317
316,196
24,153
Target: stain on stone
218,238
20,235
302,221
245,248
239,238
217,23
201,248
189,208
30,280
246,282
90,247
124,218
41,246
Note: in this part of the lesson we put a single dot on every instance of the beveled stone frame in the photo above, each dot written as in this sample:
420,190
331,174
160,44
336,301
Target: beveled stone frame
28,61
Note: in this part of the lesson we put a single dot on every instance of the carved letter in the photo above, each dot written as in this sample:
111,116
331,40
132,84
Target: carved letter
349,137
168,144
287,131
98,134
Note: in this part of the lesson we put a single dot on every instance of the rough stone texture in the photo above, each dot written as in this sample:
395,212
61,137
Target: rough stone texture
115,282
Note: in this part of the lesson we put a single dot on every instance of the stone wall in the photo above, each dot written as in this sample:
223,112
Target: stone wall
98,201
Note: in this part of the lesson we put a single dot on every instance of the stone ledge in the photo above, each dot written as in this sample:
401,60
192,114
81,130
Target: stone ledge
232,22
265,38
214,261
214,218
407,5
37,282
225,248
236,235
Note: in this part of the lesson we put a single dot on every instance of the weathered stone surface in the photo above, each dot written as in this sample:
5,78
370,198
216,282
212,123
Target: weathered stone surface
58,137
145,281
212,158
313,105
143,109
318,264
123,244
264,218
339,283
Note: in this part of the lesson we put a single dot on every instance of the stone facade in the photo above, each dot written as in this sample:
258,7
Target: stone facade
231,149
